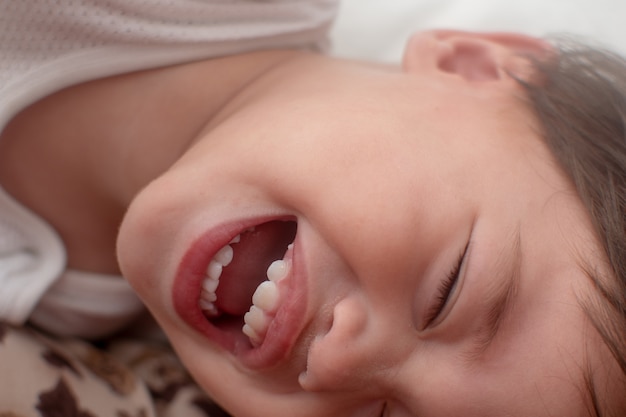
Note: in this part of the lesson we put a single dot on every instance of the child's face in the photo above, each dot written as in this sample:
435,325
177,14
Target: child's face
390,178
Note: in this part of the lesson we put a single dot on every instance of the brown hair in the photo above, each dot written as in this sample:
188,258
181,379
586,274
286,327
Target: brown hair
579,96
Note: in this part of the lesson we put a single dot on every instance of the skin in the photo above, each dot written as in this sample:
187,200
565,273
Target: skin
410,164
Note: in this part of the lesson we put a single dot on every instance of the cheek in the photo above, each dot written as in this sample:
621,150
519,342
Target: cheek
133,255
146,243
440,383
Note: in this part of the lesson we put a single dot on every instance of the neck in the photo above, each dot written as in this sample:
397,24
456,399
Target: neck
78,157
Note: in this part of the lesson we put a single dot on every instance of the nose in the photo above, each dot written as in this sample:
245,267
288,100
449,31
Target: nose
360,351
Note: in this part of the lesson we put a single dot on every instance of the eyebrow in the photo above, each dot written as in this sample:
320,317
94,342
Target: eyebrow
500,296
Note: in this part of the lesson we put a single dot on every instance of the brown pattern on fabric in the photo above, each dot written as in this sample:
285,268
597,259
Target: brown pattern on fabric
60,361
168,392
140,413
10,413
116,375
172,370
60,402
3,333
160,370
209,407
158,364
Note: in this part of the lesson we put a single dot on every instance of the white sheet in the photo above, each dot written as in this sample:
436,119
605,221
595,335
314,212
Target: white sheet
378,29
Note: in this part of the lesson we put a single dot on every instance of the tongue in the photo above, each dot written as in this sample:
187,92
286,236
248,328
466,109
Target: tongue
253,255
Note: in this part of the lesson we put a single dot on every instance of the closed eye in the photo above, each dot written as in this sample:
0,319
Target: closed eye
446,288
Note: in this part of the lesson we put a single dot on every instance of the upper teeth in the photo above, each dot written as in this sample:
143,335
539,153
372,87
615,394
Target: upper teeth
264,302
265,299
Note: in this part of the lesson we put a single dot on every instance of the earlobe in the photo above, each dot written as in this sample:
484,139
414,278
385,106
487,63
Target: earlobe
473,56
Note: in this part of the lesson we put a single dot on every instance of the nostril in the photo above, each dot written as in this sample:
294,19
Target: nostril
349,318
338,356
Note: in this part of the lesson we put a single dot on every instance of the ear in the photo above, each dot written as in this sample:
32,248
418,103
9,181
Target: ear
473,56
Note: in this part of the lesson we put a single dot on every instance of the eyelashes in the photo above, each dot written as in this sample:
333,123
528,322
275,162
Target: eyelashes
445,289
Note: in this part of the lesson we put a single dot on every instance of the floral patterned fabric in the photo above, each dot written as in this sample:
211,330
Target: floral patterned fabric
45,377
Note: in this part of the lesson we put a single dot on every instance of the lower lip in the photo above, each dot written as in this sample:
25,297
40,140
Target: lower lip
288,320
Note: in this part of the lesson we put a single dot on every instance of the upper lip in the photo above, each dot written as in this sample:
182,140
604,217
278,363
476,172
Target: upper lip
288,321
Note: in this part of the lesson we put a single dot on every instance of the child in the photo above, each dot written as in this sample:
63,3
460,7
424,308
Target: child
327,237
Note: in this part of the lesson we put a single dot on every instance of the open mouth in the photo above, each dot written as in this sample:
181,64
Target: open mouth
242,292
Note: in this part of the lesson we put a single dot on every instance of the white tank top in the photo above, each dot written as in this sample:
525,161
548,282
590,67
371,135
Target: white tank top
47,45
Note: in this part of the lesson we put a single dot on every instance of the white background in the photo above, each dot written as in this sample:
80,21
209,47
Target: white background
378,29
